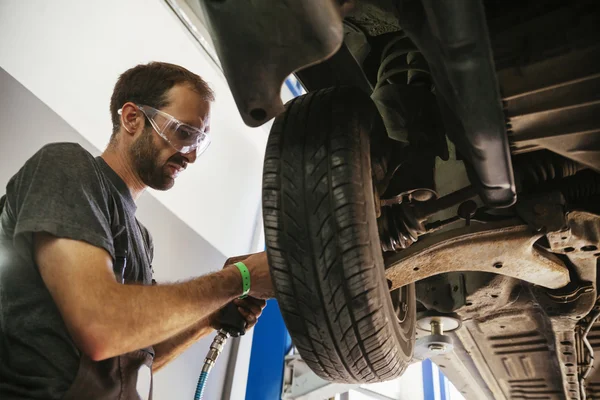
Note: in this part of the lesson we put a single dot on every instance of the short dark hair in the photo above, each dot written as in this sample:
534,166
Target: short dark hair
148,84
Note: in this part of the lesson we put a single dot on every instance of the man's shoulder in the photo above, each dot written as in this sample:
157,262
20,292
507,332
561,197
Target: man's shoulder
60,165
65,150
69,158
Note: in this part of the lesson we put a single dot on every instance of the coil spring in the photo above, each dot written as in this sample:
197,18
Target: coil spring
400,48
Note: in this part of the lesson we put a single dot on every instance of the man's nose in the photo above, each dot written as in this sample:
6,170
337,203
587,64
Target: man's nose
190,156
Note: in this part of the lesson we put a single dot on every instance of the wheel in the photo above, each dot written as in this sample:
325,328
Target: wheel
323,244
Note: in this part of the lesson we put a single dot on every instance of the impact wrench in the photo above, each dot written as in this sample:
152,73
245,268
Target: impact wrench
232,324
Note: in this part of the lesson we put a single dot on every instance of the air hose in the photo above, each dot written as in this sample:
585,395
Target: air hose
232,324
216,348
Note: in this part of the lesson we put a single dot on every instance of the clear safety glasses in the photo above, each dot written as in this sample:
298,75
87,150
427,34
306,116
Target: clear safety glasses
183,137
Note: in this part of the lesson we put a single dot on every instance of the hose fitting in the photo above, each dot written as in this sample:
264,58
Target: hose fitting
216,347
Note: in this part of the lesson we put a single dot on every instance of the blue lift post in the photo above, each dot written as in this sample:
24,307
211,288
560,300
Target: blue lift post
430,392
428,387
270,344
443,381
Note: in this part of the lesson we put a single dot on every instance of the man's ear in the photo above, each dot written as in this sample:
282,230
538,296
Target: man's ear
130,117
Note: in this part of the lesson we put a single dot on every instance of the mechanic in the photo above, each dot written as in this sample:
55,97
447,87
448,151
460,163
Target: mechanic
80,315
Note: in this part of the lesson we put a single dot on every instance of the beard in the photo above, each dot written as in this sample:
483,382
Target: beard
145,158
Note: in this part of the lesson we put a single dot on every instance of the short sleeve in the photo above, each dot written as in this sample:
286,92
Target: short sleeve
60,191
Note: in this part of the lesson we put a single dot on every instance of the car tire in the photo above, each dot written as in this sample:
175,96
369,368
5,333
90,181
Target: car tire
322,240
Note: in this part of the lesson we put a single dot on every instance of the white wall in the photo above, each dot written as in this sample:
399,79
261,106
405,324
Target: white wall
69,53
26,124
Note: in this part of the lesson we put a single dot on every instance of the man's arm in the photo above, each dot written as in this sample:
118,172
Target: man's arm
106,319
168,350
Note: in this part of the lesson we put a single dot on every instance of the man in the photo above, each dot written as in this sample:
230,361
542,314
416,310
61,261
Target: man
80,317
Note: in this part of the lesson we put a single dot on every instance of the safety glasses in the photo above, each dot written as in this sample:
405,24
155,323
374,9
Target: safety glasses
183,137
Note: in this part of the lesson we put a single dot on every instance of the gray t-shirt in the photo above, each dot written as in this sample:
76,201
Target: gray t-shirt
65,191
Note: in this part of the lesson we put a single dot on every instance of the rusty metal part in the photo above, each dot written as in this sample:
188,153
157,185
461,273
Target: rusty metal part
578,241
420,195
587,368
505,248
375,17
570,294
575,235
260,43
581,240
431,207
442,293
543,212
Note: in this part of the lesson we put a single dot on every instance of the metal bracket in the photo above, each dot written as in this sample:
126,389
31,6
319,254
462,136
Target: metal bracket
543,212
505,248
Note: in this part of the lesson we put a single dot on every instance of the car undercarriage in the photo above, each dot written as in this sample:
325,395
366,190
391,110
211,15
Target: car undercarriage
436,193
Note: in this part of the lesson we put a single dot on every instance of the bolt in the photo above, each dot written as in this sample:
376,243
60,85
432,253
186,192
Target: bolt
422,195
437,328
437,347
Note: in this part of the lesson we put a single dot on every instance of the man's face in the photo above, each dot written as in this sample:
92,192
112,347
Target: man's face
154,159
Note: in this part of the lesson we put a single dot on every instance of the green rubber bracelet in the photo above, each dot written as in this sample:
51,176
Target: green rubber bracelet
245,279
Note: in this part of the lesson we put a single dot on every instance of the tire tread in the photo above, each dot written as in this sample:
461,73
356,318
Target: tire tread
315,209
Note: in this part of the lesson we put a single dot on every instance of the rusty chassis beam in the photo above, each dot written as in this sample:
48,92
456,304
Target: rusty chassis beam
505,248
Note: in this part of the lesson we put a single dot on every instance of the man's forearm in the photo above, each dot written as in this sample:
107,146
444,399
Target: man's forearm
140,316
168,350
106,318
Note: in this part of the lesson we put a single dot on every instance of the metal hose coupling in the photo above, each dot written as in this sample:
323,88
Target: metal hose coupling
216,347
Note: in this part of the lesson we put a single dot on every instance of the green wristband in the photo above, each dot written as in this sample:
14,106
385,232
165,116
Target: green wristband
245,279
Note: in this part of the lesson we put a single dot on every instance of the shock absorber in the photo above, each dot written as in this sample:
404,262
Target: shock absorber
401,57
402,91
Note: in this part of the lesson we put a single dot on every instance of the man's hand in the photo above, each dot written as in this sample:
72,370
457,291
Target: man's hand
261,286
250,308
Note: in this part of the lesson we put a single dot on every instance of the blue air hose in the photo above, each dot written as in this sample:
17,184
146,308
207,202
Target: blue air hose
201,385
233,324
215,349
